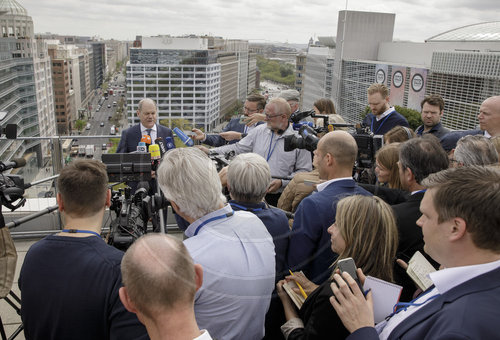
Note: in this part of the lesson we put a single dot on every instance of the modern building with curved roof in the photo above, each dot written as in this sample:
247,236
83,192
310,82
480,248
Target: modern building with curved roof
485,31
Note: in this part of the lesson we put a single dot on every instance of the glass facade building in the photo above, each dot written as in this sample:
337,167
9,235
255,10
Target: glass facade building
185,84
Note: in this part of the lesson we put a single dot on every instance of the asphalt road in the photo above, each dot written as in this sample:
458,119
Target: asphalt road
102,116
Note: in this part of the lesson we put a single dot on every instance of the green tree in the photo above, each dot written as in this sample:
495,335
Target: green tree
279,72
80,124
104,87
183,124
114,144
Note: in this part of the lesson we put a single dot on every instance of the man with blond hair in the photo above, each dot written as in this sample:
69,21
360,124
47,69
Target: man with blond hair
382,117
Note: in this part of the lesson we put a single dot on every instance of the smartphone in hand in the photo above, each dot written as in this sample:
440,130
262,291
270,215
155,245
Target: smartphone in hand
348,265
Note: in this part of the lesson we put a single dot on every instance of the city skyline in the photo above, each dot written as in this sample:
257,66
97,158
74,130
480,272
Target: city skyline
292,21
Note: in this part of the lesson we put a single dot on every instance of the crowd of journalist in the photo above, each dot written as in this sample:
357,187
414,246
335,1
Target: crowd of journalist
274,225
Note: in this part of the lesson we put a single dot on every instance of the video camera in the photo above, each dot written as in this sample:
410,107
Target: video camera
221,160
12,186
133,209
307,139
368,145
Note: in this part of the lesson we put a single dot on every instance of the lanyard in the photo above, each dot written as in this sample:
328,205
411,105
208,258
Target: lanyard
270,152
72,231
404,305
417,192
244,208
383,121
229,214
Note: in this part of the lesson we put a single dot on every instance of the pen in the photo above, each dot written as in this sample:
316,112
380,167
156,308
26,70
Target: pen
300,287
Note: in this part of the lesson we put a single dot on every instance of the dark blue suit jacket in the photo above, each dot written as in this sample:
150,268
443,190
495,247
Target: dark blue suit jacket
233,125
132,136
310,245
128,143
468,311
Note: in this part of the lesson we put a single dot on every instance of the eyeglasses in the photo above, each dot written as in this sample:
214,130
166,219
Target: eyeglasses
249,110
268,116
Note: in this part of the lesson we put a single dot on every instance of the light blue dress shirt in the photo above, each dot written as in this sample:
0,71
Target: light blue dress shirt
271,146
237,255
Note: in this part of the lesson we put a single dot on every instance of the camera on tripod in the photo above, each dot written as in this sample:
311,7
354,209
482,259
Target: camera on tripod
133,206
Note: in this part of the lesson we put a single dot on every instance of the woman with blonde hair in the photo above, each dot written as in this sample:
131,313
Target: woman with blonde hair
365,229
386,166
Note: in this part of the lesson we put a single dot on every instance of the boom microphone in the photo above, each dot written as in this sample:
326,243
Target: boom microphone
13,164
183,137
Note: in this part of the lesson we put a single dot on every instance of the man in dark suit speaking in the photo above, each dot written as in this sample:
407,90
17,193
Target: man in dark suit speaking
147,113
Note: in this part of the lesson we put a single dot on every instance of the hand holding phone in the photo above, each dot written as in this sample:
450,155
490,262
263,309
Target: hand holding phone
348,265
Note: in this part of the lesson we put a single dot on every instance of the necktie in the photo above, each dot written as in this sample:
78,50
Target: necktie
149,132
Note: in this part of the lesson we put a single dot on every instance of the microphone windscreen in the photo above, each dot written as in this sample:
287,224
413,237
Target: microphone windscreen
20,162
154,150
170,143
146,139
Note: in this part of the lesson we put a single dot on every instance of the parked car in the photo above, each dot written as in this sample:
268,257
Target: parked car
102,124
109,106
104,147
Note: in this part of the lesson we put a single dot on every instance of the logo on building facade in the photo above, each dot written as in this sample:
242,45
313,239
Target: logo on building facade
397,79
417,82
380,76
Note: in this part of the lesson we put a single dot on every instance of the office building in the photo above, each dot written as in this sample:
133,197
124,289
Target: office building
24,86
462,65
181,75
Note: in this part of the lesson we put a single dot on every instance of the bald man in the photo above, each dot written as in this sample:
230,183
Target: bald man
489,124
309,248
489,117
160,281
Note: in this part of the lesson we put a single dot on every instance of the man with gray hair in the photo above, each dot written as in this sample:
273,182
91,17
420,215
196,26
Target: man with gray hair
160,281
268,140
293,99
474,150
248,176
234,247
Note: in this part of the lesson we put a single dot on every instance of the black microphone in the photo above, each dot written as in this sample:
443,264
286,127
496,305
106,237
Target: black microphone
298,116
13,164
161,144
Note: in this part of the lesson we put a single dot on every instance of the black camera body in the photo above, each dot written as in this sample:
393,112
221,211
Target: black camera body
307,139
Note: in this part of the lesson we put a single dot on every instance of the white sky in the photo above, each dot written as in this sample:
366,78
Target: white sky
293,21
